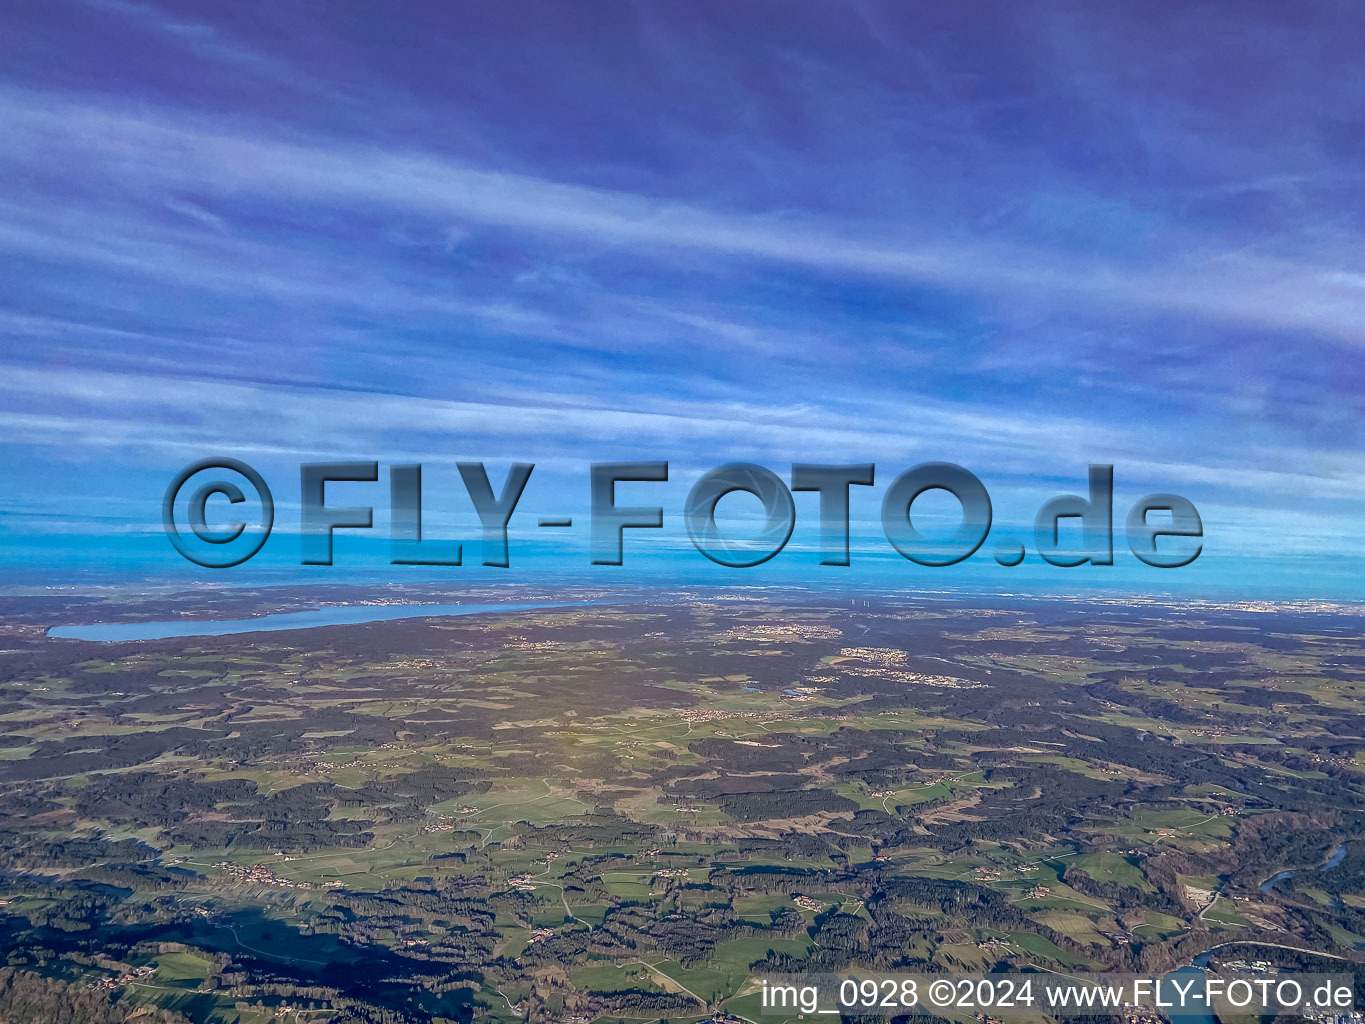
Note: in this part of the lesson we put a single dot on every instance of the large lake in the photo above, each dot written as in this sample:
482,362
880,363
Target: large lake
338,615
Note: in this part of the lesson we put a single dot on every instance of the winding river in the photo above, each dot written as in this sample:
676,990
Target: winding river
1338,855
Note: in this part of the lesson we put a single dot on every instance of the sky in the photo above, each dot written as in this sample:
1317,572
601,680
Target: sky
1020,238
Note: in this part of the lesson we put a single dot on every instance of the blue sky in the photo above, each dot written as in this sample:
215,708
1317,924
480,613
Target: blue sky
1022,238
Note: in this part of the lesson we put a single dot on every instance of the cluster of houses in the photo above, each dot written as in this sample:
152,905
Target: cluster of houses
259,874
122,979
782,631
439,826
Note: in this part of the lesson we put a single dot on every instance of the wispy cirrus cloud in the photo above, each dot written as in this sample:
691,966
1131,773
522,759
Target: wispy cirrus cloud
1199,277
